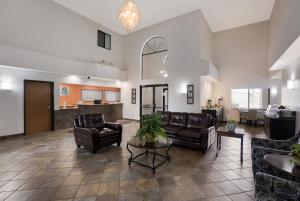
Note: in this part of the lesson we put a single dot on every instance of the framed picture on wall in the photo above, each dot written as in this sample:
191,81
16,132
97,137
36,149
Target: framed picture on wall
64,91
133,96
190,94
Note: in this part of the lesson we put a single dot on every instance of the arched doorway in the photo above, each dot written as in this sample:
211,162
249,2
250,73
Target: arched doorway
154,97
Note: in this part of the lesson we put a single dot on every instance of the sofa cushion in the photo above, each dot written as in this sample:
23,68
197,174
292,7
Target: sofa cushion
178,119
198,120
93,120
192,133
165,117
173,130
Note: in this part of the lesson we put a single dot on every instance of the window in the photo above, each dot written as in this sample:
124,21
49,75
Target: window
255,98
246,98
239,98
90,95
112,96
104,40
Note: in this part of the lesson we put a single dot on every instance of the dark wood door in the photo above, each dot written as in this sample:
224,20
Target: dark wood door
38,97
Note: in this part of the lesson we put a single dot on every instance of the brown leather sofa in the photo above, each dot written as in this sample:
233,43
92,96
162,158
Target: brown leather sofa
92,132
195,130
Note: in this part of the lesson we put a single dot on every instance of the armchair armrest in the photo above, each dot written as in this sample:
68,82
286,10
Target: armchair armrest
275,144
268,187
258,153
208,130
87,137
268,143
115,126
207,137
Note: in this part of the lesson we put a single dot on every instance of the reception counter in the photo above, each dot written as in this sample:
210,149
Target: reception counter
64,117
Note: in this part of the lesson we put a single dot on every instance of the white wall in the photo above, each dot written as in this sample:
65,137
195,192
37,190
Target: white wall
284,27
284,30
12,105
43,35
11,56
48,28
207,87
290,97
46,37
188,38
241,55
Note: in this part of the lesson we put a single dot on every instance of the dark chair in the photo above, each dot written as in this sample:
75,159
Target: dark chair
194,130
262,147
271,188
92,132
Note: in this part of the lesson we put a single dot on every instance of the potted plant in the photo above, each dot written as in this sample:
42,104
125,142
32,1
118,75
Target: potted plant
231,125
295,153
151,128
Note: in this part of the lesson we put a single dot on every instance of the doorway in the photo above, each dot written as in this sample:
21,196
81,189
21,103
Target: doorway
38,107
153,98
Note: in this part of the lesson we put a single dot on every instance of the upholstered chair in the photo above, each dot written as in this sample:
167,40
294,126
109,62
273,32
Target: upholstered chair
262,147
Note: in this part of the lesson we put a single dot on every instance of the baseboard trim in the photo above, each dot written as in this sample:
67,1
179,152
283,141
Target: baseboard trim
11,136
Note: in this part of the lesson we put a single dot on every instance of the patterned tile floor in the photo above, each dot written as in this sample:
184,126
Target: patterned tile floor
49,166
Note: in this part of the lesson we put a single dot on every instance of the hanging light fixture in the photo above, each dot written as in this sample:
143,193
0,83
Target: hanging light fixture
129,15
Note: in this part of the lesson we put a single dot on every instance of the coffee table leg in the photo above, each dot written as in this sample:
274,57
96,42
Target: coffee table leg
153,164
218,144
168,155
131,154
242,144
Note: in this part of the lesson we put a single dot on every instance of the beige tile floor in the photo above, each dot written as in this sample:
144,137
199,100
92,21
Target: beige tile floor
49,166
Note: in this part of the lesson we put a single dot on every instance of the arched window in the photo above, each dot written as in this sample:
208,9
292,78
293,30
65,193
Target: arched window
155,59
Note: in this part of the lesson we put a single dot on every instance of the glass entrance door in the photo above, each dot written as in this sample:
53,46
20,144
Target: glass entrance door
153,98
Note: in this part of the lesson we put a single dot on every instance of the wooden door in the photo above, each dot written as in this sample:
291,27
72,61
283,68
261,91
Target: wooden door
38,97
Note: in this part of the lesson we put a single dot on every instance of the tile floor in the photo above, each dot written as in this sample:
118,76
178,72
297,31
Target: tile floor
49,166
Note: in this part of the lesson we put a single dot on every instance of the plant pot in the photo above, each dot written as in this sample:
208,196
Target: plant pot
295,161
231,127
150,138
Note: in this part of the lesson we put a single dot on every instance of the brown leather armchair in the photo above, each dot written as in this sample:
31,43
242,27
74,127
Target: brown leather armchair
92,132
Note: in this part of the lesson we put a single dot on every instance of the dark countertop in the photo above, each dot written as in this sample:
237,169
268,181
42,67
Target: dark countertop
86,105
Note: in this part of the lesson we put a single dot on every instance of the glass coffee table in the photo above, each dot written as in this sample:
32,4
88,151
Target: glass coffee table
161,145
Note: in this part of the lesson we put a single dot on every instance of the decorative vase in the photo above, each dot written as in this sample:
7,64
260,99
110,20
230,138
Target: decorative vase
231,127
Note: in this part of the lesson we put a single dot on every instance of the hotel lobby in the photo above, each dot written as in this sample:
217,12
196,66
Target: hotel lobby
135,100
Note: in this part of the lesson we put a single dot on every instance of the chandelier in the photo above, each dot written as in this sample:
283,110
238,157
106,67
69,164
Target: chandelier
129,15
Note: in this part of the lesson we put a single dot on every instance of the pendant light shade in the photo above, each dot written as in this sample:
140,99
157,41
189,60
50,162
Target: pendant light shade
129,15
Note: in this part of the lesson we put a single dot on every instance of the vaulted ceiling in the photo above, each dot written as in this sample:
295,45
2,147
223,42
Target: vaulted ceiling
220,14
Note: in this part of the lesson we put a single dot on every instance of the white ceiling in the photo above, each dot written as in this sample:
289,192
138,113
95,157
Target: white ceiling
220,14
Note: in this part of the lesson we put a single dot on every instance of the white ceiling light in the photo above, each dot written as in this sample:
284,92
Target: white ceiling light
129,15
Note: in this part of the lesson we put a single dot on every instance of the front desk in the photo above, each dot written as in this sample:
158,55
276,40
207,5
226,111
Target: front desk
64,117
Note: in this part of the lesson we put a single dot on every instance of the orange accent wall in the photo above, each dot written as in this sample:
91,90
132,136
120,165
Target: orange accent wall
75,93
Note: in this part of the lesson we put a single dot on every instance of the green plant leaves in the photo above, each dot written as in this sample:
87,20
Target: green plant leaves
151,128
